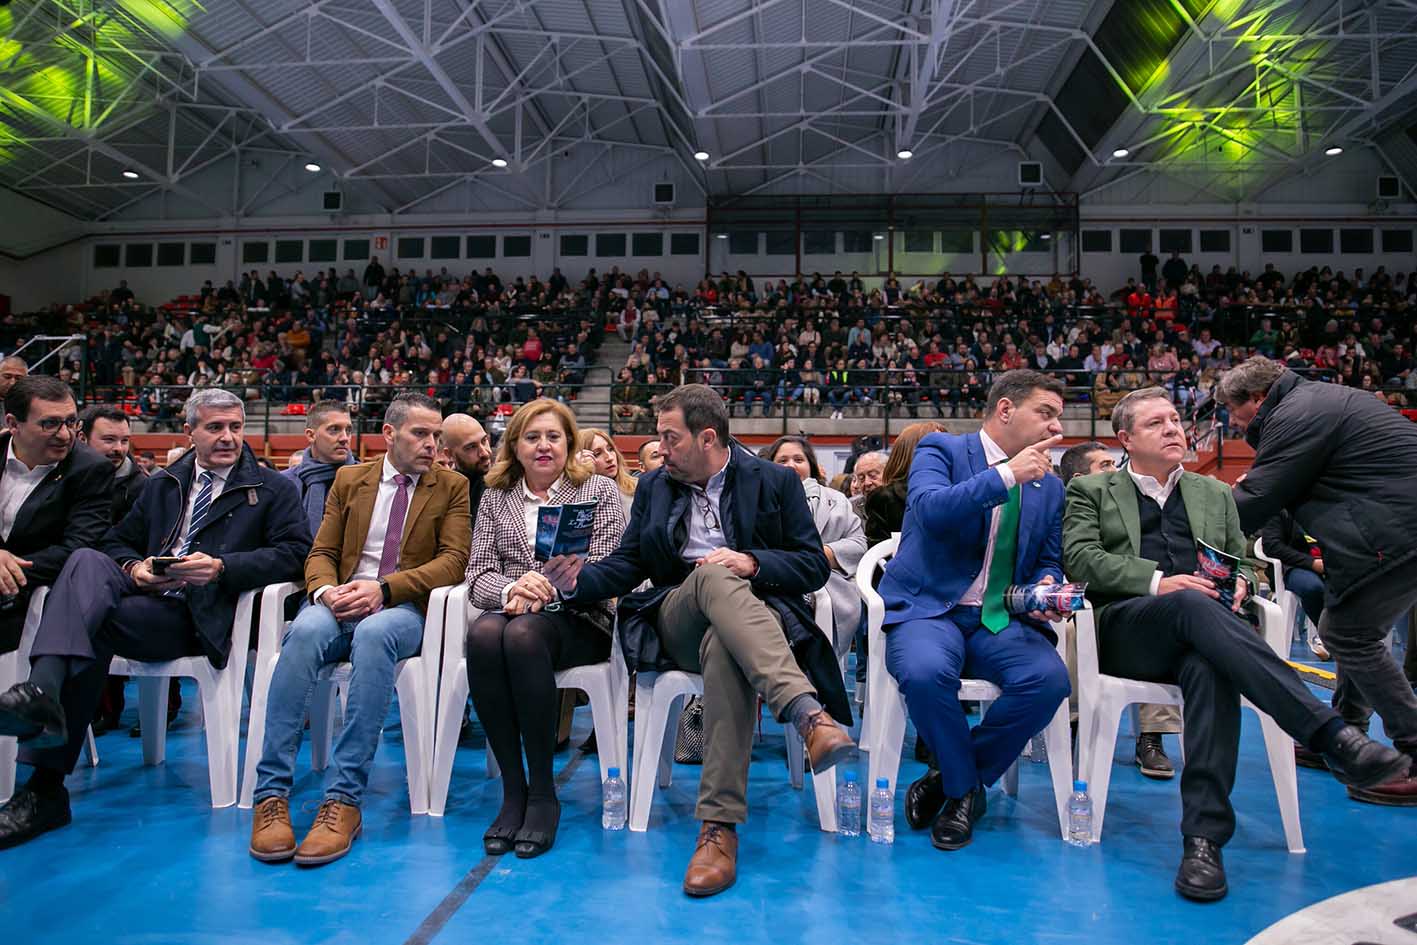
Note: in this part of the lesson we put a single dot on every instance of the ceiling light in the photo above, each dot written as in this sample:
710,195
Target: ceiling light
499,162
1333,151
877,236
905,154
1045,236
312,167
700,155
131,175
720,236
1120,153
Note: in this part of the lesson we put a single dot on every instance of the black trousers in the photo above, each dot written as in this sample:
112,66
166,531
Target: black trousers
1189,639
94,613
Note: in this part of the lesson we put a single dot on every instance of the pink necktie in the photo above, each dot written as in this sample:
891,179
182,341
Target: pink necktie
393,535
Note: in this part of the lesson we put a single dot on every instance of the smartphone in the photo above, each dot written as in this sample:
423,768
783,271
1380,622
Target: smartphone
160,565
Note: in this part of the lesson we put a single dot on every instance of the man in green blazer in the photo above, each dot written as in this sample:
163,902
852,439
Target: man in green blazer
1132,536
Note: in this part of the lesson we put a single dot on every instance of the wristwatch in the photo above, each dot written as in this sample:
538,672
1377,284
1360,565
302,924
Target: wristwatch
387,592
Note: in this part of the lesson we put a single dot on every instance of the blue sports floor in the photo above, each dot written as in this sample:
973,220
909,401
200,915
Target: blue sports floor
148,861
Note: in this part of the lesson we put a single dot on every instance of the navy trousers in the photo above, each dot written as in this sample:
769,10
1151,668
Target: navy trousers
928,659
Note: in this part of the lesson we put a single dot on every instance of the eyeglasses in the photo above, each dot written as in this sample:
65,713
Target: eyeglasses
705,506
51,424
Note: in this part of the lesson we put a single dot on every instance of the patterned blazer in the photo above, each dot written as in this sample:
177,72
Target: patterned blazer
501,553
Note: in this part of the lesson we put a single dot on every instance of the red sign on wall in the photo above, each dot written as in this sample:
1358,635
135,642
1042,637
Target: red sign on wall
381,242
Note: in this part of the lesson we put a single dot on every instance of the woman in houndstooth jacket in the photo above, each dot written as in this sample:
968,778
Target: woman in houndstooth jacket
526,634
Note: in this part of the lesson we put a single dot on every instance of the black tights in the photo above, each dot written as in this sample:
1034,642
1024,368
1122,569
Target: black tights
511,667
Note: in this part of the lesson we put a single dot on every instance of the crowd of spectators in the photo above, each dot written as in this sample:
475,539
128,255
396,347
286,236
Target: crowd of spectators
814,346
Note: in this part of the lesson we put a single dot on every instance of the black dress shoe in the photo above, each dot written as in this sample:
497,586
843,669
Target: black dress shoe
1358,761
33,716
923,800
954,828
30,813
499,839
1151,758
1202,874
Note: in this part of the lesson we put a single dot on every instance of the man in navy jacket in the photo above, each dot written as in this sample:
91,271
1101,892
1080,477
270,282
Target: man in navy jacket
983,511
234,525
729,545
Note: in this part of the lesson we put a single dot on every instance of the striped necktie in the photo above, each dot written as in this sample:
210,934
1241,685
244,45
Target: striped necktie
199,518
199,511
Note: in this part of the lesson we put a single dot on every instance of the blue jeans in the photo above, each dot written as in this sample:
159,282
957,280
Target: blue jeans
1309,588
316,639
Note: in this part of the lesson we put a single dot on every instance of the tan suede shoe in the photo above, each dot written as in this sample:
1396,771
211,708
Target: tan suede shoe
272,839
331,836
827,742
714,865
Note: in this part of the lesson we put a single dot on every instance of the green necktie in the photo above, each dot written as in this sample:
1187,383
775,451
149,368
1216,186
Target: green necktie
1001,569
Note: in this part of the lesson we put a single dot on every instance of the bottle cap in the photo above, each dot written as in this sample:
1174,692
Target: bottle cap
1079,785
614,772
849,776
883,783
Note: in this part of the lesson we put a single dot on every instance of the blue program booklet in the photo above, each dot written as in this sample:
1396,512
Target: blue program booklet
564,529
1222,569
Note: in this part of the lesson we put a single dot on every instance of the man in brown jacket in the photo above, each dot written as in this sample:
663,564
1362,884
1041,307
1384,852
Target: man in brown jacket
394,529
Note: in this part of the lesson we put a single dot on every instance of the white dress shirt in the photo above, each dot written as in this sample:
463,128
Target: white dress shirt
531,507
218,483
1160,493
373,551
998,459
702,537
18,483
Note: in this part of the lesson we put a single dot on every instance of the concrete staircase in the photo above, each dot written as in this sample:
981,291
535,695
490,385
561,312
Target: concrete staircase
592,405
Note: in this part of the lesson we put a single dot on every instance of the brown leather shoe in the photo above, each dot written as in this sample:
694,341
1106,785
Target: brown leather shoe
332,834
272,839
714,865
827,742
1399,792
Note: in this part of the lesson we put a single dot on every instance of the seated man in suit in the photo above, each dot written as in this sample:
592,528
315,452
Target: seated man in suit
54,495
1085,459
394,529
235,527
983,511
1132,534
728,542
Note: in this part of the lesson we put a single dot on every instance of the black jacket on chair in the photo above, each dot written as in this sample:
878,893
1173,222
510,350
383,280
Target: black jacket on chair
257,527
764,512
68,510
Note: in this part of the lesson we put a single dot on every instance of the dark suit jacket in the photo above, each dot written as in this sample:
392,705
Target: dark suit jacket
764,512
68,510
256,527
952,494
435,539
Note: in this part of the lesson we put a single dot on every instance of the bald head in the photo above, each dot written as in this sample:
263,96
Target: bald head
869,473
11,370
465,445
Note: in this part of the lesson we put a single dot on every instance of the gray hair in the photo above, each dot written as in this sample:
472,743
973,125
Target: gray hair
397,413
1124,414
211,398
1246,379
882,455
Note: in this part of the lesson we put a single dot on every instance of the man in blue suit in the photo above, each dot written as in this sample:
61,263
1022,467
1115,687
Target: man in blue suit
983,511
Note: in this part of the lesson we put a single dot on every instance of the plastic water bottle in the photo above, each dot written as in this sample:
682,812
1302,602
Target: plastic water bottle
1038,750
881,826
848,807
613,814
1080,816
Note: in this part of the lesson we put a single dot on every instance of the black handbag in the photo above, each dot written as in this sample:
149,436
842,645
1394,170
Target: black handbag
689,744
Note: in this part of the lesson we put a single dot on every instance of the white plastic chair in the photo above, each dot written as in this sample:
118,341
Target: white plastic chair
658,699
220,691
1101,699
415,681
1287,600
15,668
607,685
886,715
